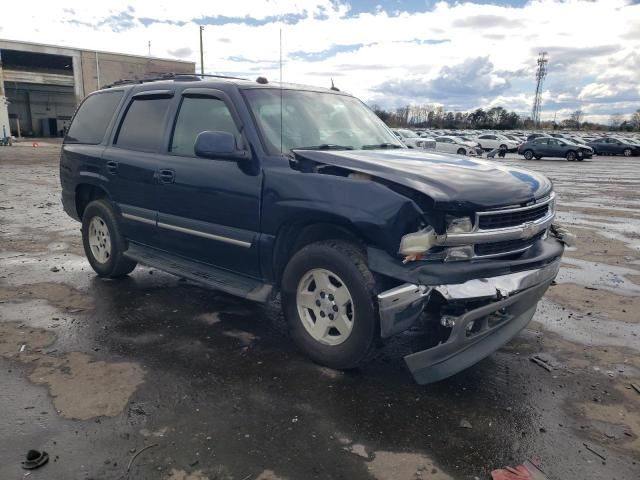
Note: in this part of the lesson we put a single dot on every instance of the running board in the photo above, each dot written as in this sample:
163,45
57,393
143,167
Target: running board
212,277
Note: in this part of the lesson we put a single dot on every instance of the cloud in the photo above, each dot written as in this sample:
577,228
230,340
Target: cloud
184,52
487,21
462,54
460,85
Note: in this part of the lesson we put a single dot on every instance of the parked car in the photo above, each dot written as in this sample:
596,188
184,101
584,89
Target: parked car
536,135
410,138
614,146
554,147
448,144
489,141
361,237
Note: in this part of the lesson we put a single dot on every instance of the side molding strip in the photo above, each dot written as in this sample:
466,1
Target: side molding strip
211,236
136,218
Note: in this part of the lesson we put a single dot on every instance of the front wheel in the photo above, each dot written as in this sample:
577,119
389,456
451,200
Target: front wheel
528,154
627,152
571,156
462,151
103,243
329,302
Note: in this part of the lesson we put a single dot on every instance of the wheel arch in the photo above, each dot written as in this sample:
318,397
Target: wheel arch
293,236
87,193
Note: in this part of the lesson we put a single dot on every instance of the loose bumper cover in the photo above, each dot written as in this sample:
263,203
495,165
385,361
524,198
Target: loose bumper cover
508,304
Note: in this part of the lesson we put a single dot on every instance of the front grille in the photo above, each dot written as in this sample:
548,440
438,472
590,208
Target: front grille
499,219
497,248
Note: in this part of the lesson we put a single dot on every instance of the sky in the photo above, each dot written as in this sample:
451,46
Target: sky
458,54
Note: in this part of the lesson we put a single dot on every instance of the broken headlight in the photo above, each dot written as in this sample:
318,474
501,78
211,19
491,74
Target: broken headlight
459,224
414,245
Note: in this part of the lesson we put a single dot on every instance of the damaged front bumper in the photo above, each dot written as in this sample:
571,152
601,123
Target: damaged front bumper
497,308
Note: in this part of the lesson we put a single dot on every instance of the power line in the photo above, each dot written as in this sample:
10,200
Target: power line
541,73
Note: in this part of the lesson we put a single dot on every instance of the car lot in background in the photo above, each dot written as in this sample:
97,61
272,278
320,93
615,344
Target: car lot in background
410,138
614,146
451,144
554,147
489,141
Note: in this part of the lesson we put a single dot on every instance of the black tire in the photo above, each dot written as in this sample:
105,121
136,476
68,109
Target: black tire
627,152
461,151
502,147
348,262
571,156
528,154
117,265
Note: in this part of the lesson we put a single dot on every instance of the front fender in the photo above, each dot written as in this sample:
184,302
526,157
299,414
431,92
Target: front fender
380,215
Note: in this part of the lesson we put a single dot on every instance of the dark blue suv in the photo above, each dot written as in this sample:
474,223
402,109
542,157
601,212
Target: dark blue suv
260,189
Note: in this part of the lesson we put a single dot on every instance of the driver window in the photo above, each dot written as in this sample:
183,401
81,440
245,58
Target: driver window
199,114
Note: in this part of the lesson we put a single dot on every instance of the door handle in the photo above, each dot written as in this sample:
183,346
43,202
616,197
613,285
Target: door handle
167,176
112,167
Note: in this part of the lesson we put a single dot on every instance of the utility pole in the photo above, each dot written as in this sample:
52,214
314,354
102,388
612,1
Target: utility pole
149,47
201,53
541,72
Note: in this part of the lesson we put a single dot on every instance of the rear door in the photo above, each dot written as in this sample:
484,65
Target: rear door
132,162
209,209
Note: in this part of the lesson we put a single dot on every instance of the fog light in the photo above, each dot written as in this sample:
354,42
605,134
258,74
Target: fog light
459,253
459,224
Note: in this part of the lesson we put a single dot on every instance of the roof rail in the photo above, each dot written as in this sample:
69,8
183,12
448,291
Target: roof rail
192,77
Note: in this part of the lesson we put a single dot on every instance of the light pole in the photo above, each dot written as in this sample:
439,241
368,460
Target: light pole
201,53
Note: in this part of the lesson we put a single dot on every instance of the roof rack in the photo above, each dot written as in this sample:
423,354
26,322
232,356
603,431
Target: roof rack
189,77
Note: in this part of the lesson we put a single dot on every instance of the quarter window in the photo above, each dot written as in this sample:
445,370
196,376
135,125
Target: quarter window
143,125
90,123
199,114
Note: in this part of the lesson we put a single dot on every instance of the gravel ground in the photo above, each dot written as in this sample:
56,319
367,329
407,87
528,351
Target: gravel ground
95,371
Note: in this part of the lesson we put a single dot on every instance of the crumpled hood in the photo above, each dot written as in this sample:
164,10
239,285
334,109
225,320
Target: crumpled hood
451,181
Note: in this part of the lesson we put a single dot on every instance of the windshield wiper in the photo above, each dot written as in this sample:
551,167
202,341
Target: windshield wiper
380,145
325,146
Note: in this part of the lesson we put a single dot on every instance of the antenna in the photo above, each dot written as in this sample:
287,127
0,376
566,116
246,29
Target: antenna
281,125
541,73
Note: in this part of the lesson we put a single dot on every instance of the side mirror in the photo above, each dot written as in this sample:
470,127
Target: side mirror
218,146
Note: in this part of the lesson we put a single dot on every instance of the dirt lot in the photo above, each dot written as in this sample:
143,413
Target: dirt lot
94,371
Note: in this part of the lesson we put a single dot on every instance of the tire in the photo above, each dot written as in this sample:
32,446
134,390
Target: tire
103,243
502,147
627,152
528,154
538,157
345,265
461,151
571,156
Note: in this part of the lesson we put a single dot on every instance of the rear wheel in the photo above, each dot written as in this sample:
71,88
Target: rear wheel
571,156
627,152
329,302
103,243
528,154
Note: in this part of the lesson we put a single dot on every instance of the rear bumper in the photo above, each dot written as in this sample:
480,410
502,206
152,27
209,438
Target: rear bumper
508,304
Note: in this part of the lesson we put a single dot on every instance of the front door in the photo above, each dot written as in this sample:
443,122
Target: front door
208,209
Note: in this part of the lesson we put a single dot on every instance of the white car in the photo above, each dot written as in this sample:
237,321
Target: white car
410,138
489,141
451,144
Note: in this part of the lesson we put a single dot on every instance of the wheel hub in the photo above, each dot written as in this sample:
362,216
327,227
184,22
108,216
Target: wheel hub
99,240
325,307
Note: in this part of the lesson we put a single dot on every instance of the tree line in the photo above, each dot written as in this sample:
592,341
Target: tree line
494,118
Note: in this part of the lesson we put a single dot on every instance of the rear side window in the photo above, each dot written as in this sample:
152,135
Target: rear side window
143,124
92,118
199,114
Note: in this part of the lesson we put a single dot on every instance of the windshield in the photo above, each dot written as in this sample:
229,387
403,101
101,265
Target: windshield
316,120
